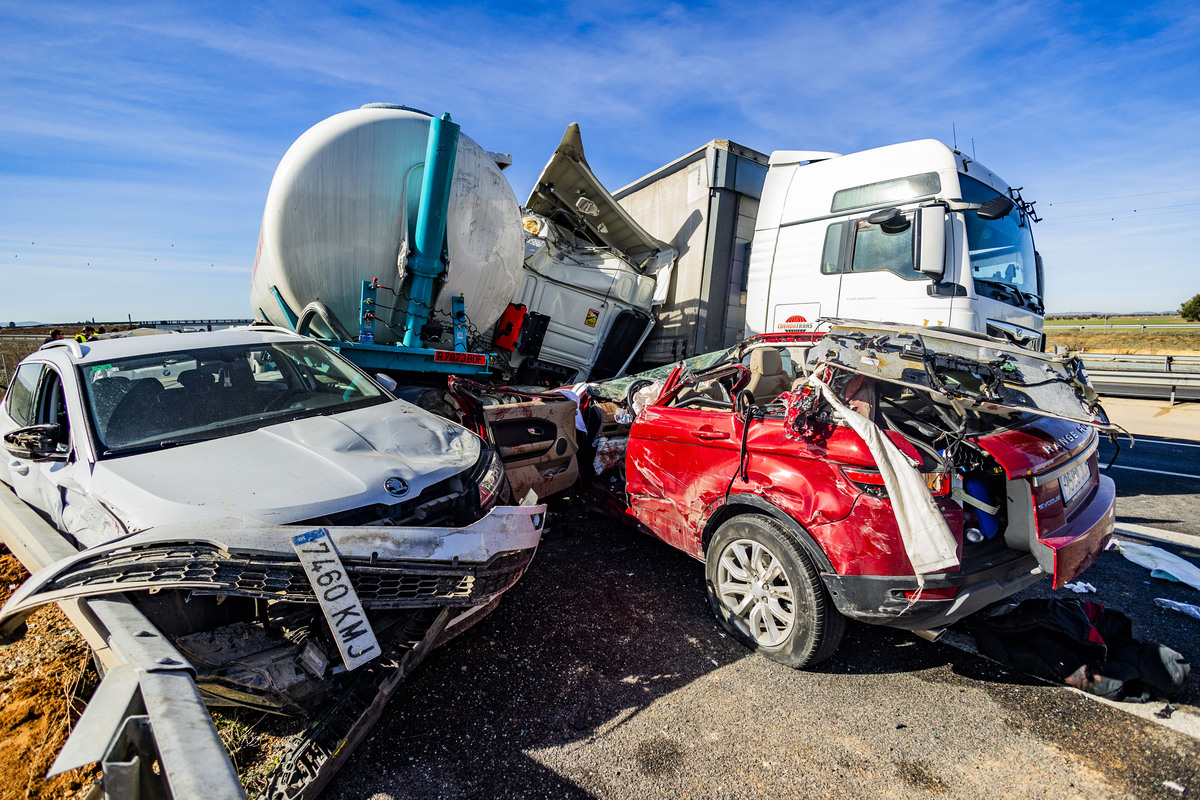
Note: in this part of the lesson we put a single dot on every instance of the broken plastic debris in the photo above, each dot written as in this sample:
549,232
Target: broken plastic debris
1162,564
1079,587
1183,608
1174,787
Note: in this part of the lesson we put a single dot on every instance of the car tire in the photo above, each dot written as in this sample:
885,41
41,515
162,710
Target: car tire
767,594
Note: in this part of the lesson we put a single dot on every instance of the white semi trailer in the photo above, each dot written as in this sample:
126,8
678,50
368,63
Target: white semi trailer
572,279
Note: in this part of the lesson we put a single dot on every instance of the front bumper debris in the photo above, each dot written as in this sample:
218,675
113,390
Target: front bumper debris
390,567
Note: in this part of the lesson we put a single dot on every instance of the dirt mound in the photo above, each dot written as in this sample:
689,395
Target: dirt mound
45,680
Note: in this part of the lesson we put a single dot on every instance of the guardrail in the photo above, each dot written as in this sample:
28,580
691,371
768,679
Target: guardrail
1153,377
1108,325
146,723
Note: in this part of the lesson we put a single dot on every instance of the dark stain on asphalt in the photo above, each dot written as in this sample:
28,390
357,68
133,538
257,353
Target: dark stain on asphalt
919,776
659,756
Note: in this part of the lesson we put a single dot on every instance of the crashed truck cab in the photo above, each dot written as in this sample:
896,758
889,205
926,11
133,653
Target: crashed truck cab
913,475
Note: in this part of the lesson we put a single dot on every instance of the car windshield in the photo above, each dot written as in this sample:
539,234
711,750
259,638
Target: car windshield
167,399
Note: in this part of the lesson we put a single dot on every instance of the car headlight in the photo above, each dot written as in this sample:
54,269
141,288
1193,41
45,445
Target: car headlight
491,480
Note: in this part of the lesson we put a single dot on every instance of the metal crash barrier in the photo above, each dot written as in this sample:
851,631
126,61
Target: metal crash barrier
146,723
1153,377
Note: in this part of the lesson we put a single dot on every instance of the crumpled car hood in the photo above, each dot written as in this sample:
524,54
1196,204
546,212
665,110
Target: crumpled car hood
290,471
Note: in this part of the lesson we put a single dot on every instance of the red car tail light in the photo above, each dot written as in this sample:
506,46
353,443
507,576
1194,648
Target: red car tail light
870,482
945,593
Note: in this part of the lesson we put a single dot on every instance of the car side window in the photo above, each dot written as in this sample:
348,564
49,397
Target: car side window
19,400
51,407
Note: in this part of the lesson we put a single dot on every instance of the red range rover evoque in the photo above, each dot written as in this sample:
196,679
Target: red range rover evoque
895,475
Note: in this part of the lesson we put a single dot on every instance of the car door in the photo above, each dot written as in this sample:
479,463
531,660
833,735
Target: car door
38,481
18,413
678,460
533,432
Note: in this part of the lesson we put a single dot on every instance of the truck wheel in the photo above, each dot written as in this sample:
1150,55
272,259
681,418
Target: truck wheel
767,594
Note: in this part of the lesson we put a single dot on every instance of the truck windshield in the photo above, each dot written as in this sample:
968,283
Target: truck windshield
1003,263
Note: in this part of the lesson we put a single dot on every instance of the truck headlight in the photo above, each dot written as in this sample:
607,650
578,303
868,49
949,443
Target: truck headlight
490,480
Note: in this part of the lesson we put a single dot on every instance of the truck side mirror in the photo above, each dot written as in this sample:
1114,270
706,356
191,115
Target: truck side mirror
931,242
996,208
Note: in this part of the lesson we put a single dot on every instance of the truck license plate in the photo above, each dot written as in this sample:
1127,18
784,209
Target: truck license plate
452,357
1073,482
351,630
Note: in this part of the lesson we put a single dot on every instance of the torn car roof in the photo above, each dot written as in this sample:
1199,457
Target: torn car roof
969,371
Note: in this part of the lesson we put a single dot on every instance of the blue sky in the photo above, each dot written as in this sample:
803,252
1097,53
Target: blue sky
138,140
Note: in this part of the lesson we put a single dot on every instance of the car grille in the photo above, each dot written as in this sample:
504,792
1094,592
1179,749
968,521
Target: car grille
205,569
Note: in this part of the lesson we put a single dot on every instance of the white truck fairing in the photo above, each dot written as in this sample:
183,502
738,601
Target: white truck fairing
823,248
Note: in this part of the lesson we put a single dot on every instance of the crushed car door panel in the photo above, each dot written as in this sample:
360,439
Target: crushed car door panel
677,458
534,433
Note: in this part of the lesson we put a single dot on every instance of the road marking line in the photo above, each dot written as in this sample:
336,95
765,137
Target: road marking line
1152,471
1168,442
1156,534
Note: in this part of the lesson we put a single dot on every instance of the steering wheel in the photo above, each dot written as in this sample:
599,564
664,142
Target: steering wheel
278,402
635,387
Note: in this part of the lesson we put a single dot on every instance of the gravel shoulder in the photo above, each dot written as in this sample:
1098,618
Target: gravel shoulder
45,680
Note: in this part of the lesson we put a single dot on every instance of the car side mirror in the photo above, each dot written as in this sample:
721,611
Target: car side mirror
386,381
35,443
931,241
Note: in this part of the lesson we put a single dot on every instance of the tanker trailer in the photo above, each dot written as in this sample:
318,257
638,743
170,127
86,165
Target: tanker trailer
383,227
352,249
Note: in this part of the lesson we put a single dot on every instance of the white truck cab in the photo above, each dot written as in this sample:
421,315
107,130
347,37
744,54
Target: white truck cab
912,233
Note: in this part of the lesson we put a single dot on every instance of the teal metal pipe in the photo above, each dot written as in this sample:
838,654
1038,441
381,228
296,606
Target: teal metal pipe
429,236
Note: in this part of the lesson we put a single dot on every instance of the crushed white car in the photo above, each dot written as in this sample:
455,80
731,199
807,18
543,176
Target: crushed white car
272,509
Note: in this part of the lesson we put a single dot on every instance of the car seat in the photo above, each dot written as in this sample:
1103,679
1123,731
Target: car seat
767,378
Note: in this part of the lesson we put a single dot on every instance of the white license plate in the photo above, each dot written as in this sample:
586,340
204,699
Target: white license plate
1074,481
347,620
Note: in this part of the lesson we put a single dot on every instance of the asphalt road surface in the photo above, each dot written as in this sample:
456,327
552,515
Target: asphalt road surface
603,675
1158,482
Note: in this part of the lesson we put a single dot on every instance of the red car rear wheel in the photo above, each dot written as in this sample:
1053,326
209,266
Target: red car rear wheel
767,594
